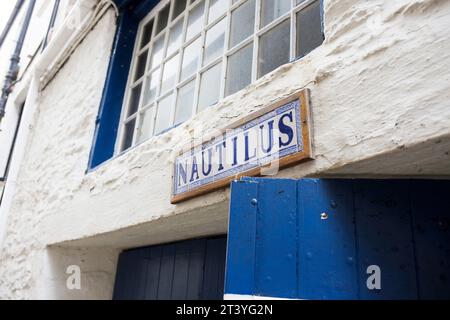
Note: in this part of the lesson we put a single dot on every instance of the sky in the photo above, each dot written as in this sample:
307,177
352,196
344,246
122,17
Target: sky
36,32
6,7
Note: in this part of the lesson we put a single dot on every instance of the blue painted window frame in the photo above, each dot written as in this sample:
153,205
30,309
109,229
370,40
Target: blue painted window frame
131,12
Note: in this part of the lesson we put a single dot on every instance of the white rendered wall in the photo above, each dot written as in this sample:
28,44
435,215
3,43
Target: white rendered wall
380,106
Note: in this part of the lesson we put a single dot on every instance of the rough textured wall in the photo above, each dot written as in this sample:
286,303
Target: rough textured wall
55,160
379,85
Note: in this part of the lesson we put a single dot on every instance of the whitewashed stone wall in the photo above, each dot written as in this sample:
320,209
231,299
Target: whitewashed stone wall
380,106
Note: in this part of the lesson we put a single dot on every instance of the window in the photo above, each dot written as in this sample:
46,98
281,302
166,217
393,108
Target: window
190,54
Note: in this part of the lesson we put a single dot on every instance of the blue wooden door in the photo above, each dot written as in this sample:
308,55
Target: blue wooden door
334,239
188,270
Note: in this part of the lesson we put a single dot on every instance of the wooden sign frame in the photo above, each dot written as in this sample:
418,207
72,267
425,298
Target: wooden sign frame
286,161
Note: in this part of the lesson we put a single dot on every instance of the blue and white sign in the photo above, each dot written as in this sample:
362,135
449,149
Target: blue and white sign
273,138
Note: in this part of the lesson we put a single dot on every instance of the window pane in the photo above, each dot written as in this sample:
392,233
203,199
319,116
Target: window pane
195,23
242,22
216,9
190,59
140,65
239,73
145,125
134,100
163,18
273,9
152,86
175,37
128,134
185,102
215,38
274,48
157,54
180,5
309,29
210,87
163,121
147,33
170,73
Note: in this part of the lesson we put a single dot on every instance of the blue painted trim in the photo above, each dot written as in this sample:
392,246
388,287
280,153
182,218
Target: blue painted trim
315,239
276,236
241,260
107,122
326,249
143,8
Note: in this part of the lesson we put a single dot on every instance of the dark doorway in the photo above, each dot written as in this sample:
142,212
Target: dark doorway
188,270
339,239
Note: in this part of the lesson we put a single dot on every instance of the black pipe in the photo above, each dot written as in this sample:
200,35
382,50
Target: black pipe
51,24
13,71
11,20
8,163
13,144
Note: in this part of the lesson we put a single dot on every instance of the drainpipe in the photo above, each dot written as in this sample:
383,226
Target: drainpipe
13,71
8,163
11,20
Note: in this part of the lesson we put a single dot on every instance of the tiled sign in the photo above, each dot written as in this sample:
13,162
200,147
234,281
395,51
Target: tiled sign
261,144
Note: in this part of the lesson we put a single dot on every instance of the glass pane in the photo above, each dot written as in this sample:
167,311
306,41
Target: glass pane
157,54
274,48
163,18
185,102
309,29
163,121
145,125
216,9
180,5
190,59
195,22
128,134
170,73
239,72
134,100
242,22
210,87
152,86
215,39
147,34
175,37
273,9
140,65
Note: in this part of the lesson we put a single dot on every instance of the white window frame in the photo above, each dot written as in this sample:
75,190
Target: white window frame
227,52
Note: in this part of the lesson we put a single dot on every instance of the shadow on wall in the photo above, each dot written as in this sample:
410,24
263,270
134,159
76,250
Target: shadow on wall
78,273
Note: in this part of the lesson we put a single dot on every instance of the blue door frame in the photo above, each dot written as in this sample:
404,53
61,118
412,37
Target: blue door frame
316,239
